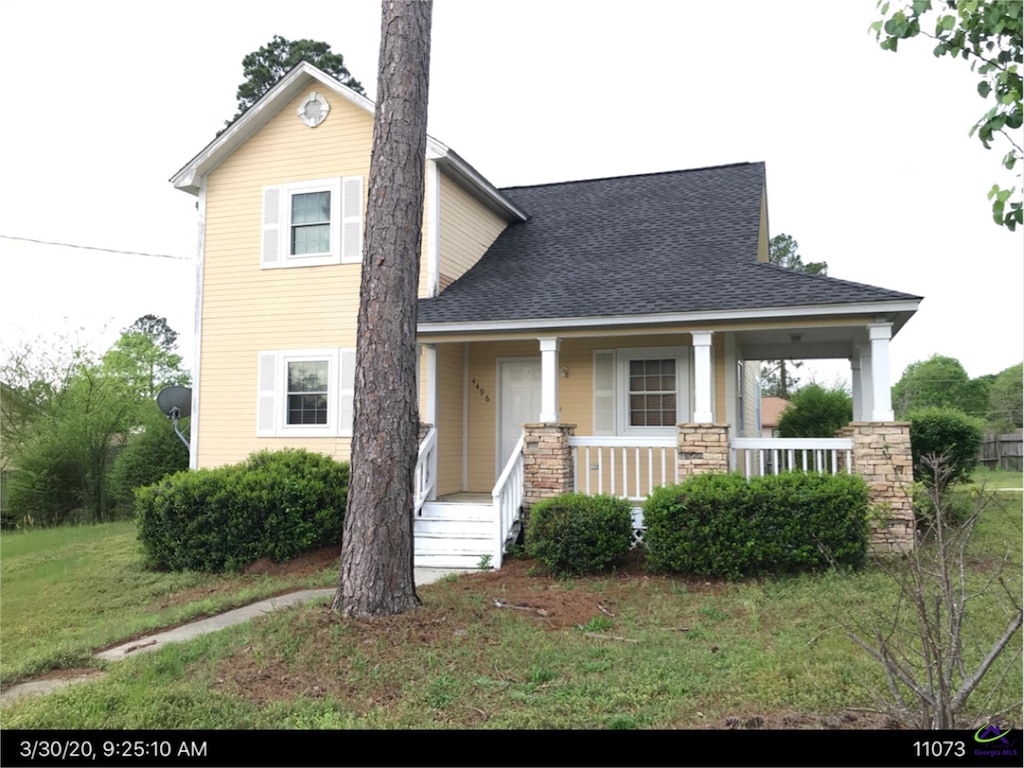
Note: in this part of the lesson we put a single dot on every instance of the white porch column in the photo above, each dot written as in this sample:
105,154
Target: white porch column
881,392
702,412
856,388
549,379
429,415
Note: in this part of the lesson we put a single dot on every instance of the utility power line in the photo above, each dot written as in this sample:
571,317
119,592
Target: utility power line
95,248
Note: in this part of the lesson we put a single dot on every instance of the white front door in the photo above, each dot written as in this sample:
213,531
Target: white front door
520,403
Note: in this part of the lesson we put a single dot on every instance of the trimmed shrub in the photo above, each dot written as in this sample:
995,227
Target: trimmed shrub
945,432
724,526
274,504
814,411
574,533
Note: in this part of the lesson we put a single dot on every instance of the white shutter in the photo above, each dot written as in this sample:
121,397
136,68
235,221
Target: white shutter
346,391
270,255
266,408
352,220
604,393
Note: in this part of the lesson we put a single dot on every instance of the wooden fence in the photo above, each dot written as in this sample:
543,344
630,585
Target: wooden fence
1002,452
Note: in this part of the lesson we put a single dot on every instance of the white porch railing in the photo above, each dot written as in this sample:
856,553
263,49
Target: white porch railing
754,456
425,478
507,499
629,467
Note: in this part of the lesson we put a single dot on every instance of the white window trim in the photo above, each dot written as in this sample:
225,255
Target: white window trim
339,393
623,357
330,356
277,224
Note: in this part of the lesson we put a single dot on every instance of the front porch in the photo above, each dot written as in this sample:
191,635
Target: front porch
619,411
466,529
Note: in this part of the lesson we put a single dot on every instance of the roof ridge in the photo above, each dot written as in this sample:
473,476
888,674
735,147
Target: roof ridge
633,175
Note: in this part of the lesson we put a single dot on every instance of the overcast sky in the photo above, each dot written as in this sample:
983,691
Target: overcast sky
868,159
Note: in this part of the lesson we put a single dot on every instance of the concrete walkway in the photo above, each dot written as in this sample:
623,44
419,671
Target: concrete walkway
195,629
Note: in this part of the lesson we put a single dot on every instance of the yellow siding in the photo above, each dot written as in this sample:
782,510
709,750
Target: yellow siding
246,309
450,399
467,230
423,286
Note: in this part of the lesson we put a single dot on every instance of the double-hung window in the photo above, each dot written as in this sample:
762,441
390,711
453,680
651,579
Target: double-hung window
305,393
653,393
312,223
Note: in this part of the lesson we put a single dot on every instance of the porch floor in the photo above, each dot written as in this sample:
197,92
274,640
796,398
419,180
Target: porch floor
466,497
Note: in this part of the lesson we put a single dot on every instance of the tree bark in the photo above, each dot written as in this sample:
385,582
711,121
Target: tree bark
377,546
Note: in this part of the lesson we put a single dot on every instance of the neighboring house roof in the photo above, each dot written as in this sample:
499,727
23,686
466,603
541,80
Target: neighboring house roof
677,242
771,410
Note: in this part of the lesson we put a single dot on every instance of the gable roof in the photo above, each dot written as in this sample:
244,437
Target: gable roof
771,410
298,79
676,243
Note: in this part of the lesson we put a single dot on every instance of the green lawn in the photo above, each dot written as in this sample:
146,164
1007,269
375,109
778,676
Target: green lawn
67,591
661,652
997,478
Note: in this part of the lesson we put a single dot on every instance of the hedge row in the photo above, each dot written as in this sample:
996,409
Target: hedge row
713,525
274,504
727,526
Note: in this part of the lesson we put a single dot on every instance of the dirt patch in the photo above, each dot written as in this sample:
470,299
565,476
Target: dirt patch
307,564
71,673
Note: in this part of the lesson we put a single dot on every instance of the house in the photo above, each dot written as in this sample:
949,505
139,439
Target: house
619,319
771,412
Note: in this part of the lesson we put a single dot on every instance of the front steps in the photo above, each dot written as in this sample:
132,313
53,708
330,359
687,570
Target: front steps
453,535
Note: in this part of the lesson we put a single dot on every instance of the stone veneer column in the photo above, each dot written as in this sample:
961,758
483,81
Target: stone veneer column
547,461
881,455
702,448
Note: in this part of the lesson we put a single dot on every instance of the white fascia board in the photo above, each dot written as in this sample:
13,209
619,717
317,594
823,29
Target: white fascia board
287,88
670,318
471,178
290,86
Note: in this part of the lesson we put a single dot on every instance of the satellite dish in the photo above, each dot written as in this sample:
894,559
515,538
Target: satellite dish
175,402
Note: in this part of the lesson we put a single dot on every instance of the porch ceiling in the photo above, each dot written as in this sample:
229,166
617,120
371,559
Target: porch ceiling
806,343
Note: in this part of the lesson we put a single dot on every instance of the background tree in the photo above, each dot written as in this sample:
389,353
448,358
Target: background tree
939,382
814,411
62,471
1006,400
151,451
988,35
377,546
145,358
264,67
777,377
31,374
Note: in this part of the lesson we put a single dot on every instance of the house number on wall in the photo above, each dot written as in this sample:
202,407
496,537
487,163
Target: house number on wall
480,391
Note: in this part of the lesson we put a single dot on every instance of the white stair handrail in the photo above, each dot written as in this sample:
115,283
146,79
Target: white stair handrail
425,477
507,498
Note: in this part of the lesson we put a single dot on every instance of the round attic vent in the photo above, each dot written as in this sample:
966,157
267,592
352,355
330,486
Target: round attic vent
314,109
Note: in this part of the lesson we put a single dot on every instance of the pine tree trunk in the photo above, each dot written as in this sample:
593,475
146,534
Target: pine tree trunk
377,547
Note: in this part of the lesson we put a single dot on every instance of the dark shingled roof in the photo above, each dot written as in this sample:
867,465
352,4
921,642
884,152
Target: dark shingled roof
684,241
